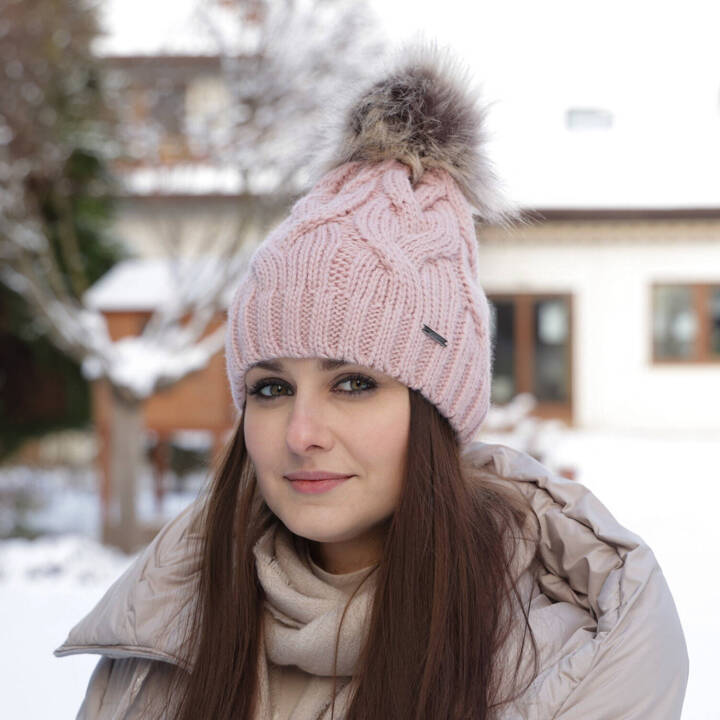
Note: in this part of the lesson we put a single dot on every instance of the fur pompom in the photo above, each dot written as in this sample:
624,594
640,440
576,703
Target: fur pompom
424,114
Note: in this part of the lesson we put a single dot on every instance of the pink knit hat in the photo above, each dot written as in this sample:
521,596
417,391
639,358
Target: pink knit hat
377,265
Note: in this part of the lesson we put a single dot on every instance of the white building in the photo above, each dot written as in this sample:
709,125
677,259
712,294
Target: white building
609,297
607,302
611,319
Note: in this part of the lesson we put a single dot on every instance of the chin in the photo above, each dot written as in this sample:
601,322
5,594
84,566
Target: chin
322,532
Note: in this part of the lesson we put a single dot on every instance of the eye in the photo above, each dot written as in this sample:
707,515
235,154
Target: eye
261,385
362,379
276,384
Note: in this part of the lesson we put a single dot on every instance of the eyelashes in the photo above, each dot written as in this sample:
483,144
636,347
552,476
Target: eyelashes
270,382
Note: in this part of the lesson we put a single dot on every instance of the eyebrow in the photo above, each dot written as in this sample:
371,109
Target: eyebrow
325,364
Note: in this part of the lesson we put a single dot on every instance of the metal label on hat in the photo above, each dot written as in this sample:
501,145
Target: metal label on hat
435,336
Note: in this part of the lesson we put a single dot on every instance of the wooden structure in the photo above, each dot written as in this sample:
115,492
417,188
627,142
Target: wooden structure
200,401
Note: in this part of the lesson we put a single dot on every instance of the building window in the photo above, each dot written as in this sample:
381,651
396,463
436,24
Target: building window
532,341
715,320
551,330
686,322
154,120
167,106
503,380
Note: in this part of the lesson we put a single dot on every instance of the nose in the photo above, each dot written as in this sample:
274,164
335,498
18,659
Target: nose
307,428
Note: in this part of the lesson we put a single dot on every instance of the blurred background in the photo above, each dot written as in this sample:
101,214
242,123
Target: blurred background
146,148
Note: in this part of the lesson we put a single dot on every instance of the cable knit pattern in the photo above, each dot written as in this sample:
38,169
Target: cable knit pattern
363,263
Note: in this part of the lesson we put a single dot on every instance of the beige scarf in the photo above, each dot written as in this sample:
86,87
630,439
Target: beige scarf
302,617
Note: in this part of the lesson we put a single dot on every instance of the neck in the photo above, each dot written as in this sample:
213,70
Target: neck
347,556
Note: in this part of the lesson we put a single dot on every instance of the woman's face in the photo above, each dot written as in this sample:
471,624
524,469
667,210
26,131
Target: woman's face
313,414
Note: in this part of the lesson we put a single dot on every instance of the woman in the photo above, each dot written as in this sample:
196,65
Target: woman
357,555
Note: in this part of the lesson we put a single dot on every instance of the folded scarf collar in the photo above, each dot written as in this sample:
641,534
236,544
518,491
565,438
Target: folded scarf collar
303,608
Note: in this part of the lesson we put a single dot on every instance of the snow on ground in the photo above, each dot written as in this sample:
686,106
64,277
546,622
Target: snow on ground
47,585
664,487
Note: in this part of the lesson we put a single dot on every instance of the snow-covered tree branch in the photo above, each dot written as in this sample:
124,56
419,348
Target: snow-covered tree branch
69,111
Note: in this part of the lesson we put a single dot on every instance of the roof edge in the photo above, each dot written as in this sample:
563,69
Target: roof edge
540,214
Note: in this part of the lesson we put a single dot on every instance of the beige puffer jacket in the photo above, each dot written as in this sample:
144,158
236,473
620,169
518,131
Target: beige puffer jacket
610,641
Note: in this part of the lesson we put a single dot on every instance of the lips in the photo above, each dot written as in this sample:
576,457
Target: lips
316,481
316,475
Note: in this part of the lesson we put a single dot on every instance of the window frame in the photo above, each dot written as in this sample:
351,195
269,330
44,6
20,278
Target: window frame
700,293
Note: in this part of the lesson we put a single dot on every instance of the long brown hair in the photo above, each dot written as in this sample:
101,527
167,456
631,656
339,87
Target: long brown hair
440,616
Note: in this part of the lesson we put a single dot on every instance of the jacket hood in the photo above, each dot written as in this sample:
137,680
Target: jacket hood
602,601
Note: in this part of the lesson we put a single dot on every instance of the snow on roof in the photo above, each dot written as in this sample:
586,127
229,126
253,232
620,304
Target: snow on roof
169,27
535,62
187,179
615,168
661,149
147,284
651,155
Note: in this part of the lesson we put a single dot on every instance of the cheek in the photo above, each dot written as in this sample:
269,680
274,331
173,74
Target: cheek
385,437
264,434
385,442
260,439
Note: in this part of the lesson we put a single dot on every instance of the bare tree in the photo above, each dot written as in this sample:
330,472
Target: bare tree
281,63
